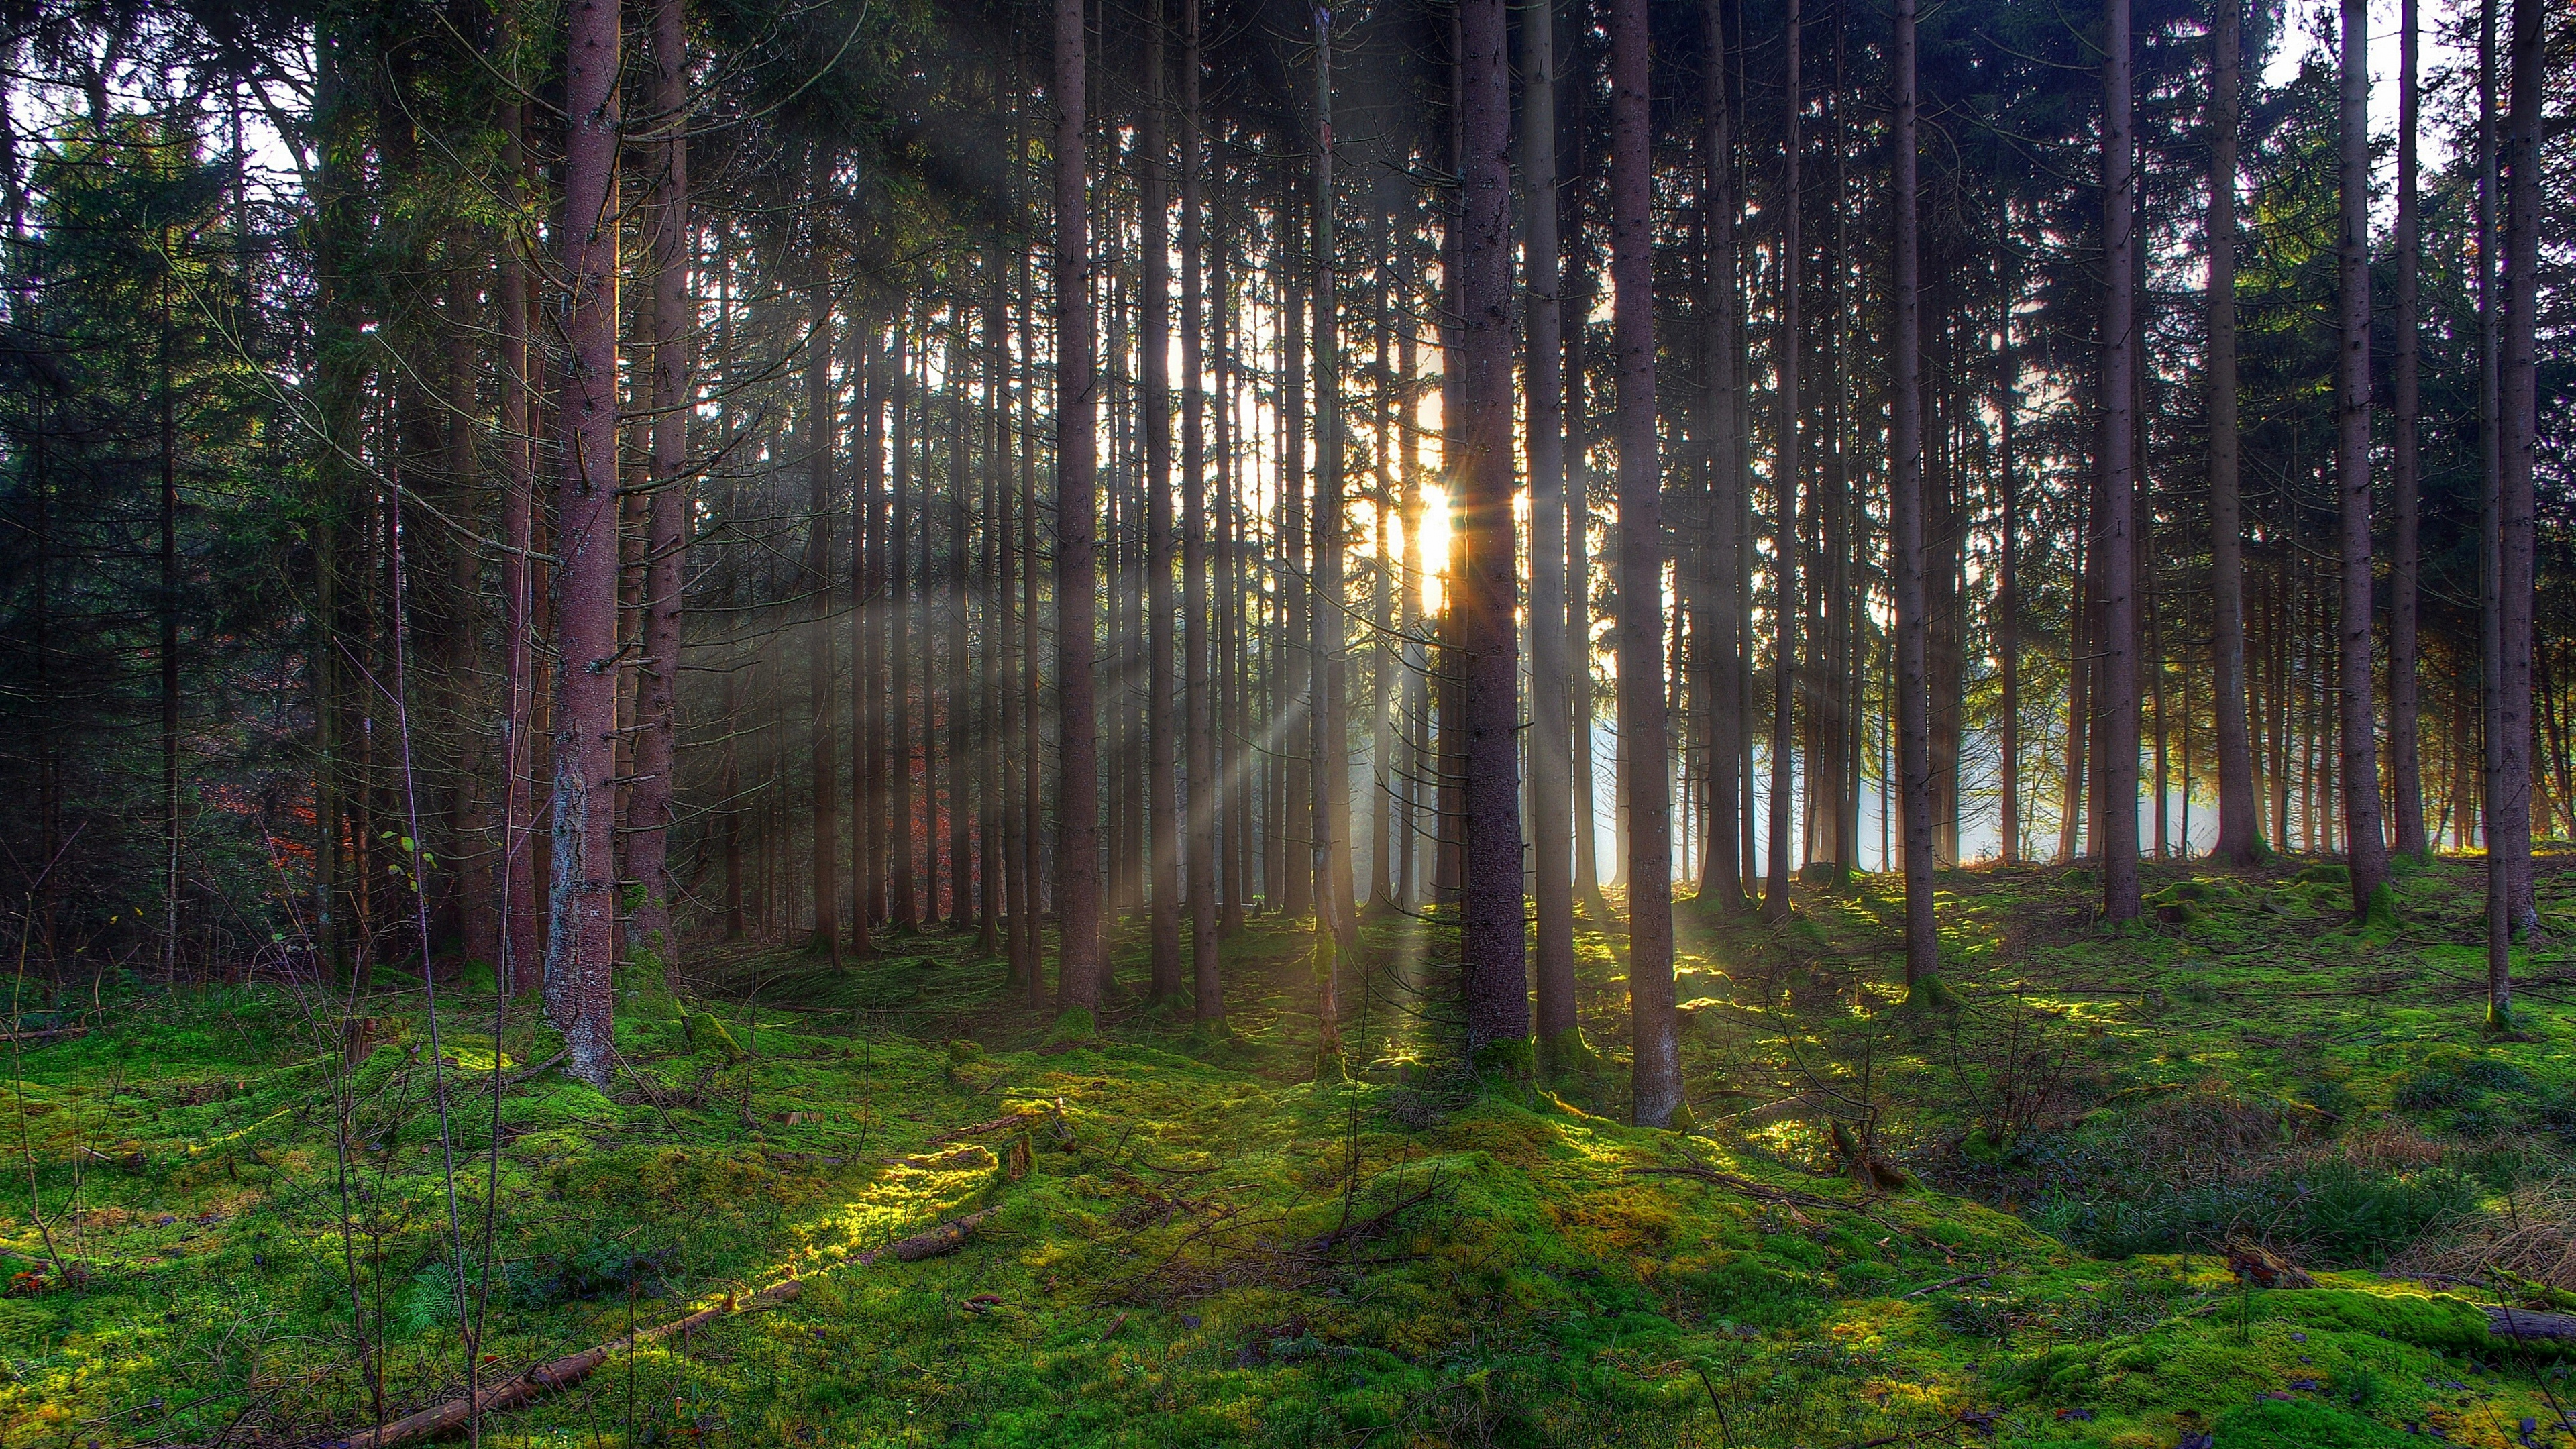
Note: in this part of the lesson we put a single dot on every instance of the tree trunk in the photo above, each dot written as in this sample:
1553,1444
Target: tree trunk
820,671
2366,840
1336,923
2517,434
1784,488
584,905
1905,541
2239,836
520,959
1207,987
1077,872
1550,792
2405,732
1493,939
1163,825
667,533
1656,1082
1722,869
2117,571
898,634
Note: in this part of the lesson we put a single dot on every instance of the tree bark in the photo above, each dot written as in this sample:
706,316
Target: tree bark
1784,488
1493,939
1551,753
820,673
1163,825
1656,1082
1722,867
1206,985
584,906
2405,733
2117,570
1336,923
1077,872
2239,835
2365,837
2517,434
521,959
1905,542
667,531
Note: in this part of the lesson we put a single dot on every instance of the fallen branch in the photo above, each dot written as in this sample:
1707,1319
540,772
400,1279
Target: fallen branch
540,1069
1960,1281
47,1034
1009,1119
573,1368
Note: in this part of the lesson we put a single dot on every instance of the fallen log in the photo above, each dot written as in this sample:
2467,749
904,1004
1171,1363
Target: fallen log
2523,1323
572,1368
948,1237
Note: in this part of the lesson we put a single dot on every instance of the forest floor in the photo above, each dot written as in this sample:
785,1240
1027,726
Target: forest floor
1193,1240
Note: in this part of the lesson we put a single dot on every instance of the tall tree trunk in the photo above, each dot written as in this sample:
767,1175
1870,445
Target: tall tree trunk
2517,434
1551,802
1031,739
2405,732
1784,487
1162,820
2239,835
1077,871
1293,675
1905,541
2117,647
520,960
993,873
961,671
1336,922
2490,529
2366,840
902,608
1656,1082
1722,870
820,673
1581,291
867,637
666,537
1206,986
1493,939
584,907
2008,581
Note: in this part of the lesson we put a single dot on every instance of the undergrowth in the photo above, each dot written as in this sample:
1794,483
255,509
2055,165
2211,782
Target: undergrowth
2001,1216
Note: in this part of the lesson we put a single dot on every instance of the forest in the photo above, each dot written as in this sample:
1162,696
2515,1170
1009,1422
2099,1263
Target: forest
1822,723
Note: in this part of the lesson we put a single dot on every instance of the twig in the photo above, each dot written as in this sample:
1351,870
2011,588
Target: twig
1963,1278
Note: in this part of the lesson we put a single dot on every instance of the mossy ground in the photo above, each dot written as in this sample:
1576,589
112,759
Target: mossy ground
1196,1243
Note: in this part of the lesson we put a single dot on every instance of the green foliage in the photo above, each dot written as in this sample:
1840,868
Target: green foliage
2337,1211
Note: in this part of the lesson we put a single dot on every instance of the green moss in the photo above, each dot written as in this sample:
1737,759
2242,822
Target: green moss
1073,1026
1507,1061
2381,913
2324,872
704,1033
1567,1054
1494,1268
2300,1424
